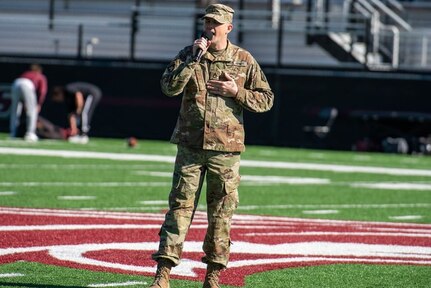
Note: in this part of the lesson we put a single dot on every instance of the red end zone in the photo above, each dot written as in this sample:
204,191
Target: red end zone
123,242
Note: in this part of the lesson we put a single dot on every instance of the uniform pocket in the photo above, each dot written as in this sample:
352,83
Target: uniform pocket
200,82
231,200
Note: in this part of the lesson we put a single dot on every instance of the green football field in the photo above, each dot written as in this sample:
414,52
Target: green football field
370,193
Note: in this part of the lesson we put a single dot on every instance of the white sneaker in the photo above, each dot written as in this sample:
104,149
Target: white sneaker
78,139
31,137
84,139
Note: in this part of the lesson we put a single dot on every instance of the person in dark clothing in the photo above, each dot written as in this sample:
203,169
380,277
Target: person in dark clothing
81,99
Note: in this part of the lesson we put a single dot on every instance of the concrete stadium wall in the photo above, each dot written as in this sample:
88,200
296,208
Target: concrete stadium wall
133,104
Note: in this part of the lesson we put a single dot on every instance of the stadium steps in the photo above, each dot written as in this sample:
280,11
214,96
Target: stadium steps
383,54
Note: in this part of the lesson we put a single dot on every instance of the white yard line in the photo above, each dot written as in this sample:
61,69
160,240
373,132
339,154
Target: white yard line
336,206
125,209
254,179
392,186
200,217
406,217
86,154
283,180
336,168
10,228
77,197
72,227
7,193
163,205
153,173
154,202
87,184
84,166
11,275
244,163
247,180
320,212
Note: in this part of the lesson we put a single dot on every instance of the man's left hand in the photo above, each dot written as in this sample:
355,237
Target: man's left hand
226,88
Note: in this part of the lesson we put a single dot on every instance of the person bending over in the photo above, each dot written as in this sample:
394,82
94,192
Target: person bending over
28,91
81,99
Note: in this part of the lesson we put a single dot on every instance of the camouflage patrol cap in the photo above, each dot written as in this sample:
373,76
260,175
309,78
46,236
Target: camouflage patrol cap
220,13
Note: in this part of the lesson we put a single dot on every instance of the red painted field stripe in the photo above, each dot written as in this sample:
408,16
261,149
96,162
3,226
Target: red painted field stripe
122,242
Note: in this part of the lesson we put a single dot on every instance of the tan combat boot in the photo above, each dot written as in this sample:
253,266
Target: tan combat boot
161,280
213,273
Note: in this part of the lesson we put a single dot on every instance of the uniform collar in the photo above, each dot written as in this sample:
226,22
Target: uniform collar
225,56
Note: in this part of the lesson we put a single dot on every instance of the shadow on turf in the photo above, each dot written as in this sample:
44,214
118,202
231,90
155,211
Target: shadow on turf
7,284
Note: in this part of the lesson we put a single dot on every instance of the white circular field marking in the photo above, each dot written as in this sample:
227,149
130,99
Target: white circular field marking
294,252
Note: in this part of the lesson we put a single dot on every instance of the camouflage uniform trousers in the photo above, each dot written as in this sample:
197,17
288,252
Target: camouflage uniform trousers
222,178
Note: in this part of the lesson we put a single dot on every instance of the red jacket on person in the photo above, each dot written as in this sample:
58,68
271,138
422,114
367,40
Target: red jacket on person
40,84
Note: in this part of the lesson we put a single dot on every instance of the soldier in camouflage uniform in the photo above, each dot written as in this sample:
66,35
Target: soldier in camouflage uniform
210,137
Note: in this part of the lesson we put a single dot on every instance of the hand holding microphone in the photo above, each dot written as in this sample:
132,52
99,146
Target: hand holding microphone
201,45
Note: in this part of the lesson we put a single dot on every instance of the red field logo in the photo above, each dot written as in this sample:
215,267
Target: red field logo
123,242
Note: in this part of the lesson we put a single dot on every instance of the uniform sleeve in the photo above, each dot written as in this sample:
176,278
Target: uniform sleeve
256,95
177,74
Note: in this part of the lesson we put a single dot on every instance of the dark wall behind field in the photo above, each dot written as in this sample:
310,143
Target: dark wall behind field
133,104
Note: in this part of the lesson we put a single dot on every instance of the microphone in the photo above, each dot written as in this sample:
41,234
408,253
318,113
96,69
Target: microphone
199,51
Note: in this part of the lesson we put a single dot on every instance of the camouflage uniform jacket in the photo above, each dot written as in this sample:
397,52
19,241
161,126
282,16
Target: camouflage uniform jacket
209,121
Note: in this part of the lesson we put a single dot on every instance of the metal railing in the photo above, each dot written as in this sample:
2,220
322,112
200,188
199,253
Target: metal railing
384,38
383,45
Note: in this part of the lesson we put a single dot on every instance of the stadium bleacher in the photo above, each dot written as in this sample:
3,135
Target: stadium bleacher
77,28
